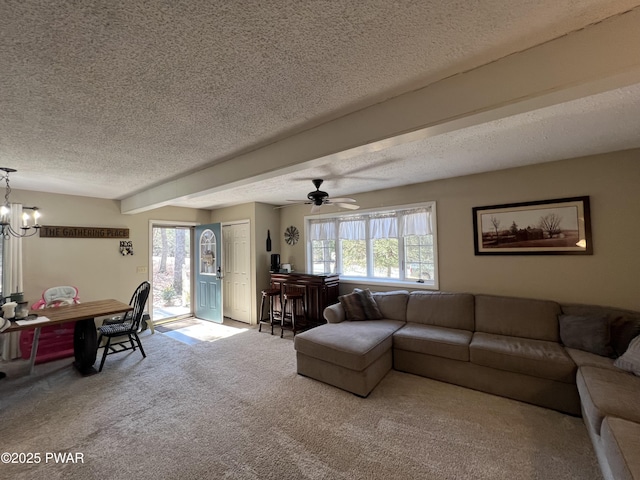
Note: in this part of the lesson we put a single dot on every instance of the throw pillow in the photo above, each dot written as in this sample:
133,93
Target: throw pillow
590,334
623,330
352,305
630,361
369,305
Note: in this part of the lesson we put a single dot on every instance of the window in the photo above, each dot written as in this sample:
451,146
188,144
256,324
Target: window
208,261
324,256
419,260
392,245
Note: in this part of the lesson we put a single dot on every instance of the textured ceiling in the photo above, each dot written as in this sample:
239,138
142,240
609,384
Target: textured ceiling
107,99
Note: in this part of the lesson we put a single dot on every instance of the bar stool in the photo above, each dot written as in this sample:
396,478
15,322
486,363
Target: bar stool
269,293
296,303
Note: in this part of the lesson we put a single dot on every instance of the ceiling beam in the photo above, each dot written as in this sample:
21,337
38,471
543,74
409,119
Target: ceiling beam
598,58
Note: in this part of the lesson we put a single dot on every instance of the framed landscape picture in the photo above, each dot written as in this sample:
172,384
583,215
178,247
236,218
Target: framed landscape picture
547,227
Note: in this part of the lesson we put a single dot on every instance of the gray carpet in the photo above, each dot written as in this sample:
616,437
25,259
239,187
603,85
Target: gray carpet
235,409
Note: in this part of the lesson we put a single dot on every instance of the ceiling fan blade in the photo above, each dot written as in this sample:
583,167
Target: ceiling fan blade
295,202
343,200
349,206
316,208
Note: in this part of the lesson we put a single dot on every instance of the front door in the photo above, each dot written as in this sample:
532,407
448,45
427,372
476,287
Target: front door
209,272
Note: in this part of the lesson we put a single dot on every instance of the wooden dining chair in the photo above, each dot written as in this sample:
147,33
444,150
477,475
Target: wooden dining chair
128,327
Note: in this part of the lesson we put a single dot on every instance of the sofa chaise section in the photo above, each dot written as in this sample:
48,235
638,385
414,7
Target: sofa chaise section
352,355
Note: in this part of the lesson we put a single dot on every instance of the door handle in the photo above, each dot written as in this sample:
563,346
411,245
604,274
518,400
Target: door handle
219,274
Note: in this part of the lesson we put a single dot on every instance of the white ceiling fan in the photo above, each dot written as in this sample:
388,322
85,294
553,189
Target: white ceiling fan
318,199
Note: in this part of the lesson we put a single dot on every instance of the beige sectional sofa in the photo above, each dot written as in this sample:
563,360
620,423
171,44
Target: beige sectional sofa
501,345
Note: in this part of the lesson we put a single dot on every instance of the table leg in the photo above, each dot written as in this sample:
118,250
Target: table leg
85,346
34,350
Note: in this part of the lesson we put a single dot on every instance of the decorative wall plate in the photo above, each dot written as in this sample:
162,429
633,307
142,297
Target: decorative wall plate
291,235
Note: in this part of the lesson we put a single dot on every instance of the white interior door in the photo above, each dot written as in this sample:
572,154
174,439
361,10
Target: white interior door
237,267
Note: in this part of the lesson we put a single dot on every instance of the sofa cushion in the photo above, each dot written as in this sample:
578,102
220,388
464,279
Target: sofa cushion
392,305
630,360
537,358
353,345
588,333
583,359
625,324
433,340
517,317
621,444
452,310
604,392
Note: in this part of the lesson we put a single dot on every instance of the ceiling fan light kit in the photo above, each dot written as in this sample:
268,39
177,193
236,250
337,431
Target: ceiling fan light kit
317,197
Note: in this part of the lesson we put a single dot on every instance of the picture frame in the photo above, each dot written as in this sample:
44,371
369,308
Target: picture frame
560,226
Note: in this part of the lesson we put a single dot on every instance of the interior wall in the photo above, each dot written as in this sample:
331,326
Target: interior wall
608,277
267,218
293,216
94,265
246,211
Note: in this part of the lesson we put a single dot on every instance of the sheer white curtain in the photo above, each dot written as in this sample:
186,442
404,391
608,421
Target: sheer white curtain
353,229
12,281
416,222
322,230
403,223
383,227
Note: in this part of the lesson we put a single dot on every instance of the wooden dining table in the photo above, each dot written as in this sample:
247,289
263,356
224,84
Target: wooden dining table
85,342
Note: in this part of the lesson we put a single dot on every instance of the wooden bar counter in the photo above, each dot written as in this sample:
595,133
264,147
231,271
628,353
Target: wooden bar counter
320,291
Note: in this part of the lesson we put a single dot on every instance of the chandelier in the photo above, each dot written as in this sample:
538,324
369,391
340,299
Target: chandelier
6,229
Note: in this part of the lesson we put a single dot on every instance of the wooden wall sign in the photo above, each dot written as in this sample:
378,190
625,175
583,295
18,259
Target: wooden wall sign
51,231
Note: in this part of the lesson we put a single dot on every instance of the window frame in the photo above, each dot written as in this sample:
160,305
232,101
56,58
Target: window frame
432,284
